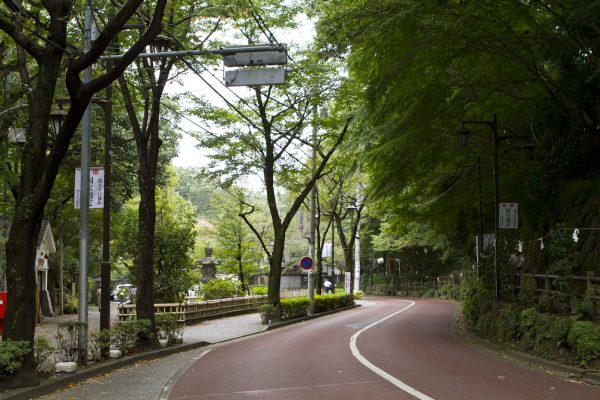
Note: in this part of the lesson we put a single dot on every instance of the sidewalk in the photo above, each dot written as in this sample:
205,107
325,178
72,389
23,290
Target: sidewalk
155,368
212,331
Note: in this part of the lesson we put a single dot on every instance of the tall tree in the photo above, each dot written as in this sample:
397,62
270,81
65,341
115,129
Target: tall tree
421,68
41,158
153,75
238,250
266,133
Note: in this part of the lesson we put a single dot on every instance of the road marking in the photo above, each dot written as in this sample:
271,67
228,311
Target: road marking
166,390
396,382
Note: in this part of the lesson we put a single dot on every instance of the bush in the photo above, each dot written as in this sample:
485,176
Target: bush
260,290
71,304
327,302
126,335
169,326
528,318
12,353
97,341
508,323
584,337
42,350
218,289
294,307
476,300
528,292
67,340
358,294
268,313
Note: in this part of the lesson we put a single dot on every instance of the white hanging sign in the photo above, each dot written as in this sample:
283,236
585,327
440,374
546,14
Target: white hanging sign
489,241
347,282
508,215
96,187
326,249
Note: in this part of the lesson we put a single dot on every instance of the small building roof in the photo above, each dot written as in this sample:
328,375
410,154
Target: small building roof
45,235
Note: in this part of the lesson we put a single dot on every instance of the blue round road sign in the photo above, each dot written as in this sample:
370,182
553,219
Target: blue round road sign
306,263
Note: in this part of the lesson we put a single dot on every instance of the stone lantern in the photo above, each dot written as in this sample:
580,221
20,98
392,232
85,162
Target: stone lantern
208,265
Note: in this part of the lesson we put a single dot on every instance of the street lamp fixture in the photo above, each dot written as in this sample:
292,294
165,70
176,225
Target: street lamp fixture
57,117
463,136
161,43
527,150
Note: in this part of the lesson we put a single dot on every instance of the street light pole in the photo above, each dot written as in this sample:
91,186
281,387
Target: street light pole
86,128
464,139
494,126
357,241
312,210
104,300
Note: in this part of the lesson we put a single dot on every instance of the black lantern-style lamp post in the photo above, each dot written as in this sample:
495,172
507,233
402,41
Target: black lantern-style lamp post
57,117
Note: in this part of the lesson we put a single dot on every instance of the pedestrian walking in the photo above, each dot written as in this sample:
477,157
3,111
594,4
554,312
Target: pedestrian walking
327,284
99,297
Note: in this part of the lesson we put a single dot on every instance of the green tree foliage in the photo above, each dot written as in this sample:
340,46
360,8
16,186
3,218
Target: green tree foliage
265,132
418,69
195,189
238,248
174,242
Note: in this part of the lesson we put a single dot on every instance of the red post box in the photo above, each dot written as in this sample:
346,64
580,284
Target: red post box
2,310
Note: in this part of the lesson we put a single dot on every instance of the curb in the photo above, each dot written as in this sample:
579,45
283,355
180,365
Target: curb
590,377
60,381
63,380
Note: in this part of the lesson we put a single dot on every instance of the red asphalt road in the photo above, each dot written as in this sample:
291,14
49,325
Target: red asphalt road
313,360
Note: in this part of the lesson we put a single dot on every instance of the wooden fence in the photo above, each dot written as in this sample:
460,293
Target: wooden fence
581,285
544,283
193,312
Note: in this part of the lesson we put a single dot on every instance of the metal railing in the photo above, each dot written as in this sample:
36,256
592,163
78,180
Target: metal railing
193,312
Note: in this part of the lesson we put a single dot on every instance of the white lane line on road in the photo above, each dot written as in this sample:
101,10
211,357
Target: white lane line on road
166,391
396,382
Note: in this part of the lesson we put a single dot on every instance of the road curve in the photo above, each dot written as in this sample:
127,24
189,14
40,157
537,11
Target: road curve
388,349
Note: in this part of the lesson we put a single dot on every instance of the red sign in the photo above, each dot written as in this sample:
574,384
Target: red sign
306,263
2,310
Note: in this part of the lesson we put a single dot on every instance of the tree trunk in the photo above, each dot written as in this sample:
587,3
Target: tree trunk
241,268
144,270
20,319
40,163
275,270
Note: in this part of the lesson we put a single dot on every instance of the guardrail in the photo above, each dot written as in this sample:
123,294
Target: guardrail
197,311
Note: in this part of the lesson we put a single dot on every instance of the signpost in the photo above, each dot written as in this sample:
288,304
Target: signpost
96,188
508,216
307,264
347,282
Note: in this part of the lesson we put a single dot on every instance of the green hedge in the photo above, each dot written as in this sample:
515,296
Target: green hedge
328,302
260,290
218,289
294,308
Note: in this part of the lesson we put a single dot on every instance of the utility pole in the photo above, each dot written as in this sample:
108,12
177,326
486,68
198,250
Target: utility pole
312,207
86,132
333,277
357,240
104,300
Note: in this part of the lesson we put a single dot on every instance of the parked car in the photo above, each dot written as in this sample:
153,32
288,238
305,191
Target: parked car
126,287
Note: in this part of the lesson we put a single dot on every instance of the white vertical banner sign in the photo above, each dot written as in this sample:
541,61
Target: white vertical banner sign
508,216
326,250
96,187
347,282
